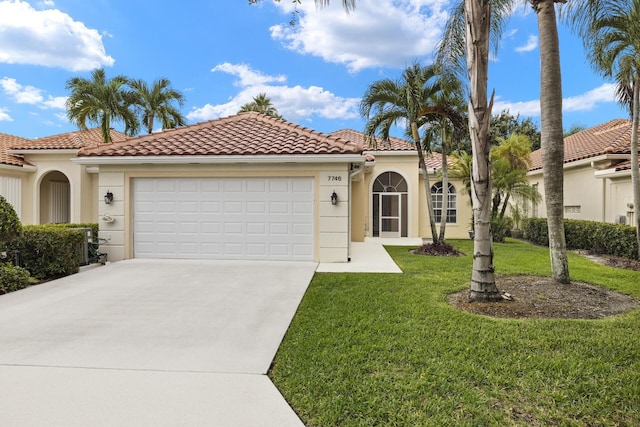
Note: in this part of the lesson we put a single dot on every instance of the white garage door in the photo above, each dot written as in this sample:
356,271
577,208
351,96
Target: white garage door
223,218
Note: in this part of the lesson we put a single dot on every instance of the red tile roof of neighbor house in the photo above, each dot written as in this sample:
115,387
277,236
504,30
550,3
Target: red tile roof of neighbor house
613,137
70,140
243,134
433,160
6,142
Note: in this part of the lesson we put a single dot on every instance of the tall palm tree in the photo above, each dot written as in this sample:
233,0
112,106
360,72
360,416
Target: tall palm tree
475,25
410,100
614,51
101,101
261,104
552,138
157,102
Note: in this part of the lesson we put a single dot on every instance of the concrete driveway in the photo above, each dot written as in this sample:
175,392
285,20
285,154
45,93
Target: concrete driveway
149,342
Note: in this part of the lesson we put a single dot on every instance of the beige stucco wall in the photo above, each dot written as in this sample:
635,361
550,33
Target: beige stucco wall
83,187
586,196
331,222
619,195
11,187
418,220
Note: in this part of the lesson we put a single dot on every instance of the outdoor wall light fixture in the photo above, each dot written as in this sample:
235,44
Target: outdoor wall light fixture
108,198
334,198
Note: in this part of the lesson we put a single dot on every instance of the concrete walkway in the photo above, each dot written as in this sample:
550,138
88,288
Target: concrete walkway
370,256
149,343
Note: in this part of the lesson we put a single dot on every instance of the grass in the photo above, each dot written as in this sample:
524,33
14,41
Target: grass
387,350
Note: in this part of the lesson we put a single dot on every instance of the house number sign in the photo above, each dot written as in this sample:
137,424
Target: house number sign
334,178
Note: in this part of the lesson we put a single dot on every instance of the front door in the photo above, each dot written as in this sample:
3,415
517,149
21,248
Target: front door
390,215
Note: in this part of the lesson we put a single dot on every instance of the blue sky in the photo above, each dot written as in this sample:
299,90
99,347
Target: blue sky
222,53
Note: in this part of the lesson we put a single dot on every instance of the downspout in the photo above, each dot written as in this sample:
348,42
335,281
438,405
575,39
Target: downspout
352,175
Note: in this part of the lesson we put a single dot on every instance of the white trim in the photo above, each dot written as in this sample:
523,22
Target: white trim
177,159
612,173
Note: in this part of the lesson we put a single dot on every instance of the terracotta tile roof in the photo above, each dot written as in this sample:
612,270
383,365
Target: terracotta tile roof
613,137
6,142
624,166
394,144
70,140
242,134
433,160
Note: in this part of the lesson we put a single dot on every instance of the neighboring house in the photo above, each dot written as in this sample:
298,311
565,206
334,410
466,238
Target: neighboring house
40,181
597,174
247,186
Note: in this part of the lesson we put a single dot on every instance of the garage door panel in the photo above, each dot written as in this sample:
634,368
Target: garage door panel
224,218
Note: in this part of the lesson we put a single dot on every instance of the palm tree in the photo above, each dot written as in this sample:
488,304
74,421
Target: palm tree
101,101
509,166
261,104
473,25
614,51
157,102
411,100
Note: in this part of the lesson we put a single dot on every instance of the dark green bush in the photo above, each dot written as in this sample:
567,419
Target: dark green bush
13,278
601,237
501,228
10,226
50,251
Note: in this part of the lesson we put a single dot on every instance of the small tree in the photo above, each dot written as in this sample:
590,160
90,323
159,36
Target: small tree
10,226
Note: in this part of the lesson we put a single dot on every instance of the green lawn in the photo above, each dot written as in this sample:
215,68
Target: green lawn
387,350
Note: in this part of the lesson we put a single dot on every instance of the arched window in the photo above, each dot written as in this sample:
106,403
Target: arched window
437,197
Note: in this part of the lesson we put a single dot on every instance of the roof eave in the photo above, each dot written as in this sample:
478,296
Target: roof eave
18,168
164,160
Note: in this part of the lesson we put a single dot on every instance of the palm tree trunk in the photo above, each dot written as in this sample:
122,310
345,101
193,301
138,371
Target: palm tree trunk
635,167
427,185
478,26
551,136
504,206
445,186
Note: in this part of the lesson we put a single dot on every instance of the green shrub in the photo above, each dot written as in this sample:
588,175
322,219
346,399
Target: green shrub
50,251
501,228
10,226
13,278
601,237
92,225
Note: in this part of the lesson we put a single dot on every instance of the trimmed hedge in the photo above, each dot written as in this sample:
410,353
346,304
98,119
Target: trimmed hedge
13,278
50,251
599,237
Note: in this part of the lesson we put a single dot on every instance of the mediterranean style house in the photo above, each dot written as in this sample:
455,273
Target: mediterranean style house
247,186
597,174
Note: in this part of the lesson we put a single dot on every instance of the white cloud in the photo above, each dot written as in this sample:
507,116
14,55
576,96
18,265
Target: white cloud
247,76
292,102
532,44
587,101
55,102
377,33
30,95
4,115
48,37
21,94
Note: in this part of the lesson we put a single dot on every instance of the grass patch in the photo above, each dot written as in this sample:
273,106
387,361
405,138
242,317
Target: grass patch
386,349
